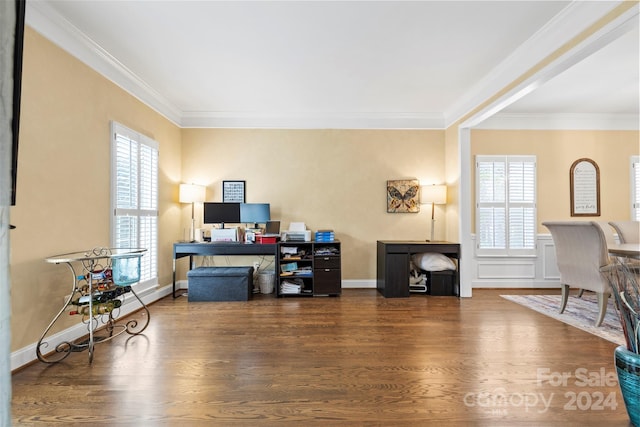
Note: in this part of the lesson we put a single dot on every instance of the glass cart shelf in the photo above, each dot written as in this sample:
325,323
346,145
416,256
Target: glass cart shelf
100,277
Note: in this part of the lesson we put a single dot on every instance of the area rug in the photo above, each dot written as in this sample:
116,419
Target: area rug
580,312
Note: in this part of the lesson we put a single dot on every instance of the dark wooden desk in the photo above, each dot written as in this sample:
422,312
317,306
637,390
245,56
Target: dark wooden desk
393,257
181,250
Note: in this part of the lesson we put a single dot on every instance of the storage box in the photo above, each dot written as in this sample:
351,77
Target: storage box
325,236
441,282
269,239
220,284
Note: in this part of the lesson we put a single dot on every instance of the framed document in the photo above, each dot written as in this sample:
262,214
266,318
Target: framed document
233,191
584,179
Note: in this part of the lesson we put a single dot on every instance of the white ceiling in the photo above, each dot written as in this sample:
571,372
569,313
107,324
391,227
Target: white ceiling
339,64
605,82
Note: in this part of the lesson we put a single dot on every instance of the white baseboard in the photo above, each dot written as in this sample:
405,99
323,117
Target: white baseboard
130,304
520,284
358,284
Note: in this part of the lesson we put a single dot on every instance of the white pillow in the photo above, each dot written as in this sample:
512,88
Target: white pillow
433,262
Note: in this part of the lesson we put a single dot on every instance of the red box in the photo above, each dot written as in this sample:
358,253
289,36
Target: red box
268,239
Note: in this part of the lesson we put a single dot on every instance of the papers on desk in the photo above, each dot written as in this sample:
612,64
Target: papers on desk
224,234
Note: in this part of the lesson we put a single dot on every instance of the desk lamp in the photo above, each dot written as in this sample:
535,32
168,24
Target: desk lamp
192,193
435,195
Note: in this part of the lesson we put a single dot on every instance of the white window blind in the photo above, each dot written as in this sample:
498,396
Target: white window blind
635,188
134,196
506,205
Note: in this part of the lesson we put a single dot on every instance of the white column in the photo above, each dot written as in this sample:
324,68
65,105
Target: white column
7,25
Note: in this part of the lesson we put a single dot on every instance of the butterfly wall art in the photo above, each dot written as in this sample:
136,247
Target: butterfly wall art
403,196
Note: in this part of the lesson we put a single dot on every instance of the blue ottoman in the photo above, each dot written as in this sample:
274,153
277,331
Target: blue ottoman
220,283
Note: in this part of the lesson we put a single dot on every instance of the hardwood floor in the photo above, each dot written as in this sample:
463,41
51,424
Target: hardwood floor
358,359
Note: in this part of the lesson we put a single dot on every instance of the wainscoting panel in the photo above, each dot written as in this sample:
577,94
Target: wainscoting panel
506,269
549,266
539,271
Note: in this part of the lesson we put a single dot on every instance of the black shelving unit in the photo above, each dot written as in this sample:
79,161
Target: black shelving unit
327,274
308,269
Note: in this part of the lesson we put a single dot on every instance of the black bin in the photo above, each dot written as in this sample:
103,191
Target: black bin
441,283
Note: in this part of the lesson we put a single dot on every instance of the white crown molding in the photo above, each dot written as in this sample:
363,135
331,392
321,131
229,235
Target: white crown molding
48,22
570,22
562,122
573,19
344,120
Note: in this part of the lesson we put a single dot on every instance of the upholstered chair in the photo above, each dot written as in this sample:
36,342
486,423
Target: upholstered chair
581,251
628,231
609,237
608,231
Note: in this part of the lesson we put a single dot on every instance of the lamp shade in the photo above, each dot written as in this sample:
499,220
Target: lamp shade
190,193
436,194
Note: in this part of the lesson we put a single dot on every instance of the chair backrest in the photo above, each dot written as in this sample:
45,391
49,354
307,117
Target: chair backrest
607,230
581,250
628,231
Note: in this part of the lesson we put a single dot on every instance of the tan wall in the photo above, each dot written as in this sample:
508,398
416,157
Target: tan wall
556,151
326,178
63,193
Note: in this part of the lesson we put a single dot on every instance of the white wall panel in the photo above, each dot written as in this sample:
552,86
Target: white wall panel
506,269
549,262
538,271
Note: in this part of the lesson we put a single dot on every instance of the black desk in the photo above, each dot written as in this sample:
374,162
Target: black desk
393,257
181,250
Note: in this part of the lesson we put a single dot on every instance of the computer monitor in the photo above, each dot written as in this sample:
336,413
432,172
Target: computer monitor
219,213
255,213
273,228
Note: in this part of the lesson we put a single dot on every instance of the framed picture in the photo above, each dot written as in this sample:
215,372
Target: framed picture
233,191
584,178
403,196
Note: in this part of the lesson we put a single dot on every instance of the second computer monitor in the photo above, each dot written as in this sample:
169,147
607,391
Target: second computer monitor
255,213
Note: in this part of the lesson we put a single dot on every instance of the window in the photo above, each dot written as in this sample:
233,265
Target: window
635,188
134,196
506,205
